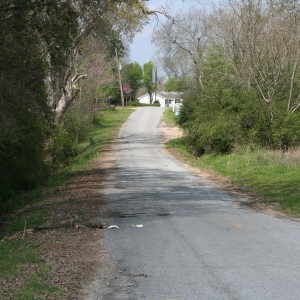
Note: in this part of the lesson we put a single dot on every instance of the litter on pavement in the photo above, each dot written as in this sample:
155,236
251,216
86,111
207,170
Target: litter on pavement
138,226
113,227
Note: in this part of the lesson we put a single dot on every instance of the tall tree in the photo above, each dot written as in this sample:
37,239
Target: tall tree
42,53
262,43
184,38
24,115
62,27
177,84
109,20
148,79
133,76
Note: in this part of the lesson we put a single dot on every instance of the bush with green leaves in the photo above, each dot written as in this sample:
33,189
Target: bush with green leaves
24,116
225,113
64,140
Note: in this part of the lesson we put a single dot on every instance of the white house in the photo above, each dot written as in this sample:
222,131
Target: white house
166,99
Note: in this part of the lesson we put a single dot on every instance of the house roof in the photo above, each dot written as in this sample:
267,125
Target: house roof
167,95
170,95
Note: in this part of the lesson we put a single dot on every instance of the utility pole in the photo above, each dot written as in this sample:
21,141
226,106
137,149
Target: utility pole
120,77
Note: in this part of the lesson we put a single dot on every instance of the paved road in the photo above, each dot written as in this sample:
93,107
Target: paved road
196,242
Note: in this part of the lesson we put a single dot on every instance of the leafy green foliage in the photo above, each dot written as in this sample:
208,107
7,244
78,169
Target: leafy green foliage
110,91
41,47
225,114
133,76
176,84
20,262
24,116
148,78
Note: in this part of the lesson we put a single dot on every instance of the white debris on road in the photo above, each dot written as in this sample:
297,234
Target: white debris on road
113,227
138,226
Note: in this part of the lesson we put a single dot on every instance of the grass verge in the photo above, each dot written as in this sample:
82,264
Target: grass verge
101,134
271,174
169,117
24,275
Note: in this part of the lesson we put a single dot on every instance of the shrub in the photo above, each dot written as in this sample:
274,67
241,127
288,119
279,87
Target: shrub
22,155
136,103
63,143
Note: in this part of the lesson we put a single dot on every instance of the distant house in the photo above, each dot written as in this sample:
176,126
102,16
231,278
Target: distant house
166,99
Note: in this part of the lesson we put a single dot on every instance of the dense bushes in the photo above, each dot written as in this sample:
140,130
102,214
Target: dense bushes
30,144
63,142
22,155
214,126
225,114
24,116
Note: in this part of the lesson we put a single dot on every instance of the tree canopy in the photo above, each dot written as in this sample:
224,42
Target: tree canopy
148,78
133,77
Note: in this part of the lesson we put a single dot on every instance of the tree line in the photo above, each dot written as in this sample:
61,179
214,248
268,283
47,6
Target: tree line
135,76
239,65
54,55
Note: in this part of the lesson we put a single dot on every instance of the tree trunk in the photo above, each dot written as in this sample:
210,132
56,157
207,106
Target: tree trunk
70,91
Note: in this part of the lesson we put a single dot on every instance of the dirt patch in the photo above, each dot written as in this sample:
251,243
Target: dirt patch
246,197
170,132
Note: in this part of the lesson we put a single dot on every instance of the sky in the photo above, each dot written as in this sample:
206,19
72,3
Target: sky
142,50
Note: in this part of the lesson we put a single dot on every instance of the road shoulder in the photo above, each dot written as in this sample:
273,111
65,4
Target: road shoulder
244,196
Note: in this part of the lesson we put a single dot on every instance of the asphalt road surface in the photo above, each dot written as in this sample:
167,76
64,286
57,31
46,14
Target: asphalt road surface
196,242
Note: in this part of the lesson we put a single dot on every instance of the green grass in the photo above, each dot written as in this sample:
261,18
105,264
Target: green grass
170,118
15,255
99,135
272,174
23,273
31,218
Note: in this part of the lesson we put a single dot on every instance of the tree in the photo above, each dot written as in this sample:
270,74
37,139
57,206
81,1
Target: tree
176,84
184,38
245,59
148,78
43,59
24,117
262,43
106,19
62,27
251,72
132,75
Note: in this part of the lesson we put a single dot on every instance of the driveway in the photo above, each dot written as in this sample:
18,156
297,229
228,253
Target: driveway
196,242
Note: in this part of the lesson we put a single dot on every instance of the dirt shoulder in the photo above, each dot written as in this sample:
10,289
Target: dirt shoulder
72,239
76,253
245,197
170,132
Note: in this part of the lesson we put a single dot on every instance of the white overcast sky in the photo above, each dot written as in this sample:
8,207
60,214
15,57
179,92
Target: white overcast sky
141,50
